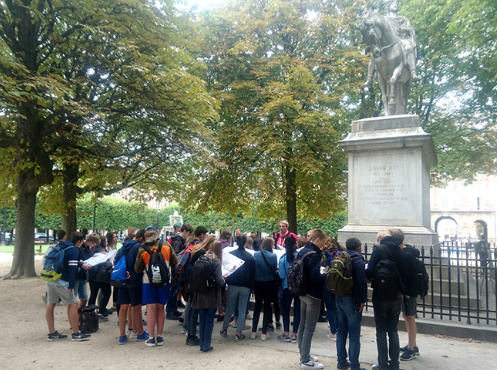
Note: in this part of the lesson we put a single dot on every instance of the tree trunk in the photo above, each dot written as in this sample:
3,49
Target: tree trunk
23,263
290,192
70,193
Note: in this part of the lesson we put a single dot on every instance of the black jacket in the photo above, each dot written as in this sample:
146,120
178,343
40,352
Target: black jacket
411,286
244,275
178,243
130,251
394,253
313,278
360,291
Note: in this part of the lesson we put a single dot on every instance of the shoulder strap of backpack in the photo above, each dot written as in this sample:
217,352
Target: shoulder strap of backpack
307,254
265,260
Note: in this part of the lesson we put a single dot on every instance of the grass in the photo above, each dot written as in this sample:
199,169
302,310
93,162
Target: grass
10,248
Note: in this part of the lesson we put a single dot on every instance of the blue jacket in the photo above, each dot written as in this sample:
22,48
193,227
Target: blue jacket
360,292
263,272
283,270
130,250
71,258
244,276
313,278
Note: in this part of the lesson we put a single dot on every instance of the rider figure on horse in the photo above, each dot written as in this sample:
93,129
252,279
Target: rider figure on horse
407,37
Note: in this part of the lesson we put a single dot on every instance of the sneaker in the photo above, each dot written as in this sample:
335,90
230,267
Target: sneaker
159,341
249,316
224,332
343,366
80,337
132,334
253,335
103,318
284,338
265,337
311,365
314,358
270,329
123,340
172,316
181,319
408,355
294,339
184,331
233,324
180,304
239,337
55,336
220,318
143,336
416,350
193,341
278,325
208,349
246,326
332,336
150,342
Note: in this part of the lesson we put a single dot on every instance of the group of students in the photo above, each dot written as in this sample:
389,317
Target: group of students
262,274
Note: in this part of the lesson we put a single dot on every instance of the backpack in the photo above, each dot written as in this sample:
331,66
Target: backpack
295,275
202,275
54,263
422,280
386,278
339,279
158,270
185,265
89,319
119,276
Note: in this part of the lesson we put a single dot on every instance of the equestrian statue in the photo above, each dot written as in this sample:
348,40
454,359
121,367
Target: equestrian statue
393,43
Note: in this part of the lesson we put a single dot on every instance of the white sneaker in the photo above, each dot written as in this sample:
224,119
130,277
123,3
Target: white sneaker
249,316
233,324
331,336
184,331
265,337
253,335
314,359
311,365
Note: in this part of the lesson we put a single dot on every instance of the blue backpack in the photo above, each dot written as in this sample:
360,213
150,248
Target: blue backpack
54,264
118,277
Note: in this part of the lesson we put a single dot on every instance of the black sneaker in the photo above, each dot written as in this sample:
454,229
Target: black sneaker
55,336
172,316
408,355
80,337
193,341
416,350
278,325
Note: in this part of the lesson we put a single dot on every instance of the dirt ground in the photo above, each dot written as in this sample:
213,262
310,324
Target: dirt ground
23,343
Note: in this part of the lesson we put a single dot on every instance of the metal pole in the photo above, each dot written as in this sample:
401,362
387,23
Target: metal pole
94,212
4,227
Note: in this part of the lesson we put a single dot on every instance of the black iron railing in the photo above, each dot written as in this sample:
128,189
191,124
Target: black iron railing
462,283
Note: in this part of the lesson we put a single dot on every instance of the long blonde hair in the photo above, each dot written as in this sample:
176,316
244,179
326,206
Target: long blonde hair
216,250
205,244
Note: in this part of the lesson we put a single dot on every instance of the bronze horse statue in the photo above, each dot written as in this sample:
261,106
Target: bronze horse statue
389,59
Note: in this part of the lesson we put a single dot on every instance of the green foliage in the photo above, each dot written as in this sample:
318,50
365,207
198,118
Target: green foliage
277,68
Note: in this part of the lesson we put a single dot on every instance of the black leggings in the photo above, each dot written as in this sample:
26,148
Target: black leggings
106,291
266,292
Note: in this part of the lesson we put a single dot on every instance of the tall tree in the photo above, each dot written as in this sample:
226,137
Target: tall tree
98,94
276,67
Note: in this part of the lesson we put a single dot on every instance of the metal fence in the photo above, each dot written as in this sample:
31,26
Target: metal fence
462,283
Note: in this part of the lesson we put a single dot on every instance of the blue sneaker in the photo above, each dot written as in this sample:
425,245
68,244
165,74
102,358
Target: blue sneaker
150,342
160,340
123,340
143,336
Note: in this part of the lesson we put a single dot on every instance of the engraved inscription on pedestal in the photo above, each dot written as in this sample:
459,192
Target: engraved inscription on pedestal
384,188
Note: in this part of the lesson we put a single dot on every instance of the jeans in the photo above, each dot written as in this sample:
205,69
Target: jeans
349,323
206,326
310,308
329,302
192,319
236,296
172,302
286,303
264,291
386,317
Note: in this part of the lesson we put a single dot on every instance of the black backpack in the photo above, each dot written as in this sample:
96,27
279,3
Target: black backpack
158,270
422,280
386,282
295,275
202,275
89,319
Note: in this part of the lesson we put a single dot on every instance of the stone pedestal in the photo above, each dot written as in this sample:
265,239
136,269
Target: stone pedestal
389,179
